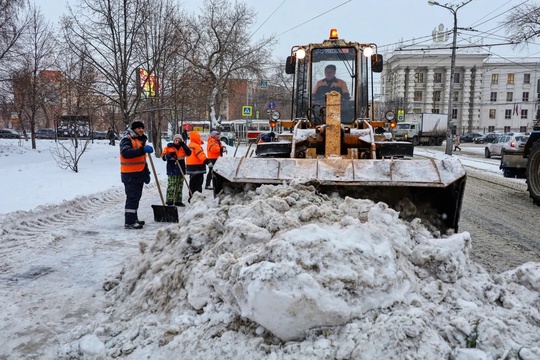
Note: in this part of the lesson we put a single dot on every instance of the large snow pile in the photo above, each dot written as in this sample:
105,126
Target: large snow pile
283,271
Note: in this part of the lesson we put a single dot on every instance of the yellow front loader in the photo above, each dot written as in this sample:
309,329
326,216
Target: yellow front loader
330,142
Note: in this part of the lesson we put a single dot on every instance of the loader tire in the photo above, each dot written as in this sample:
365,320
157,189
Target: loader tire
533,173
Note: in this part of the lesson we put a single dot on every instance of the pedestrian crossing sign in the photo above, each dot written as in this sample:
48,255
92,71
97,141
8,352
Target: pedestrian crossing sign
247,110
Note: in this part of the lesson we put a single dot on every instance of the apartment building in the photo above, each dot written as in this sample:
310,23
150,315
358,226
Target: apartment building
510,94
488,93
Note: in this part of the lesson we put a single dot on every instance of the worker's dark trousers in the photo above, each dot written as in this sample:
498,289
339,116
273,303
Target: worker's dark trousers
133,196
210,171
195,183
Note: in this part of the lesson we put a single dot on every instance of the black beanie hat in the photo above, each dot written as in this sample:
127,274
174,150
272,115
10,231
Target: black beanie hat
137,124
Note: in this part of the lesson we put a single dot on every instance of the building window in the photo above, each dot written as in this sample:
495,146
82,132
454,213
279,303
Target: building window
523,129
510,79
509,96
437,78
493,96
524,113
525,96
456,96
491,128
494,79
419,78
454,113
506,129
417,96
492,113
508,113
456,78
526,78
435,111
436,96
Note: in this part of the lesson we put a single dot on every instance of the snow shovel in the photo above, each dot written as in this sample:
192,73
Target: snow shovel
162,213
184,176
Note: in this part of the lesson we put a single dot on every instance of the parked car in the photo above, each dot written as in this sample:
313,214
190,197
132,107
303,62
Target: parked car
486,138
99,135
468,137
504,141
45,134
9,134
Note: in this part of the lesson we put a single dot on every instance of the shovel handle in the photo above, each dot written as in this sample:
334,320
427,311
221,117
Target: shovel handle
157,180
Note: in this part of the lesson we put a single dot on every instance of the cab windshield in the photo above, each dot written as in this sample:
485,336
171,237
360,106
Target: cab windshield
334,69
403,126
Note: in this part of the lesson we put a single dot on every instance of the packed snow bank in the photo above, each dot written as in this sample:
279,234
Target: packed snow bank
283,271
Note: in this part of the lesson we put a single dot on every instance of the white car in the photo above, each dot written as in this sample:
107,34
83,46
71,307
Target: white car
505,141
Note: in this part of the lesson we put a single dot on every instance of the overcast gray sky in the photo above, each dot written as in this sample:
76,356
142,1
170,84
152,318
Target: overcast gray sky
384,22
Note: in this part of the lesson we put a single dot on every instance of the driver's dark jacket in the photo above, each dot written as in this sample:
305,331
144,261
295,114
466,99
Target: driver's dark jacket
324,86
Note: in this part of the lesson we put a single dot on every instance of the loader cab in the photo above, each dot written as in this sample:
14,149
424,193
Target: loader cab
334,69
333,65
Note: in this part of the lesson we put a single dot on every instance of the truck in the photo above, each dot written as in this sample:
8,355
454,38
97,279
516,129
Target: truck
430,129
525,160
333,143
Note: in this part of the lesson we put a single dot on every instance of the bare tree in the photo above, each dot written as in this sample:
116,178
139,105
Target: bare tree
219,48
13,21
523,23
12,25
80,104
108,32
159,46
67,155
36,87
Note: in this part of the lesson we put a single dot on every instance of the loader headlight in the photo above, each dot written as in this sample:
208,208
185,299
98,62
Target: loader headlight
300,53
368,52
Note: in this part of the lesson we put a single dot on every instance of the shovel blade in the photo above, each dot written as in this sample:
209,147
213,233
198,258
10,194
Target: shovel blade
165,213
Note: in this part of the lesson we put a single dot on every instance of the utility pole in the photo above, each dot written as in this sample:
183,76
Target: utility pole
453,9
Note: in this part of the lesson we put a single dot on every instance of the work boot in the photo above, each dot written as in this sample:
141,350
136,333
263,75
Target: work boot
181,204
140,222
169,203
209,188
135,226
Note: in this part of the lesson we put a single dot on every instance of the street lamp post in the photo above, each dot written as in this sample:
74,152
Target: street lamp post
453,9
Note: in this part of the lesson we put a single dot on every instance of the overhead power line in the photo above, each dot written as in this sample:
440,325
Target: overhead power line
315,17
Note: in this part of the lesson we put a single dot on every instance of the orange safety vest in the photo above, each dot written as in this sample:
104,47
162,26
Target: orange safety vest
180,153
213,148
136,164
197,157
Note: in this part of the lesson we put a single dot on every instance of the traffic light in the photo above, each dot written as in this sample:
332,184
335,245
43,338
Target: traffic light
393,124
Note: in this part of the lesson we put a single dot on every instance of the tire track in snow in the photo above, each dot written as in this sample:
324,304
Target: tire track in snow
46,226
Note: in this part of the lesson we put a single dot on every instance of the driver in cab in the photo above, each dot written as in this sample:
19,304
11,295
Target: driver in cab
330,83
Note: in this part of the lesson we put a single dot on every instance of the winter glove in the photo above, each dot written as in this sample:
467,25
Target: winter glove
148,149
210,165
147,178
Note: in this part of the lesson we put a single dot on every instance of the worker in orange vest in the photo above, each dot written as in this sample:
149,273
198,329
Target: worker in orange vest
134,171
196,163
214,149
174,154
